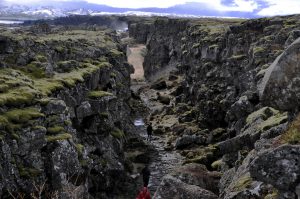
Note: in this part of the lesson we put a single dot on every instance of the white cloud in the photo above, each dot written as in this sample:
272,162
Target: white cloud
280,7
239,5
274,7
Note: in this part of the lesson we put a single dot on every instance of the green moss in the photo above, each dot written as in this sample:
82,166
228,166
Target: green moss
83,162
242,183
204,155
38,128
292,135
3,88
213,46
104,115
113,74
238,57
22,115
263,113
79,148
258,49
117,133
35,69
116,53
56,130
15,136
28,172
58,137
41,58
98,94
273,195
274,121
216,165
67,122
59,49
269,116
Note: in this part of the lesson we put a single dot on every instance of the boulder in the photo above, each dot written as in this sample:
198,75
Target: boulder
197,174
164,99
171,188
188,140
160,85
280,86
278,167
84,110
55,106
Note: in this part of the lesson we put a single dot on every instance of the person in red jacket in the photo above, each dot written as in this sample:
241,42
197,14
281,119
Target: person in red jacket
144,194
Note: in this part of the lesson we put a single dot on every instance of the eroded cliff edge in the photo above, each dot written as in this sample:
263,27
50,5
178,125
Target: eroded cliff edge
64,112
237,105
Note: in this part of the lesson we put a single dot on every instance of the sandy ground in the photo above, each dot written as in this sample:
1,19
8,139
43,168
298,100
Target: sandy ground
136,59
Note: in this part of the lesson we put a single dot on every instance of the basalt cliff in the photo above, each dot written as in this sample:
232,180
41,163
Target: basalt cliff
234,92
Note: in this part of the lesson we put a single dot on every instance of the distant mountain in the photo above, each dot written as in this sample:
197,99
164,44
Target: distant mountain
59,9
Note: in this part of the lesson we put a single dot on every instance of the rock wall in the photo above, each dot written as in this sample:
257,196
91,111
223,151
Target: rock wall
163,39
64,114
237,98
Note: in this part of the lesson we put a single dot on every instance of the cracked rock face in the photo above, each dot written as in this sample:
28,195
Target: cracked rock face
280,86
279,167
171,188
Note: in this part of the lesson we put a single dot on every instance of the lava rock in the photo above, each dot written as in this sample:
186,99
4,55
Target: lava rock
171,188
280,86
278,167
188,140
159,85
197,174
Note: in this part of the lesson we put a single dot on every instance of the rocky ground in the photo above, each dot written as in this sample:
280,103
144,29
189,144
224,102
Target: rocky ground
229,107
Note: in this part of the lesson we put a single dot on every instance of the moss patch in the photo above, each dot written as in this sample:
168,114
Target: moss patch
56,130
17,118
274,121
242,183
98,94
117,133
292,135
273,195
263,113
79,148
59,137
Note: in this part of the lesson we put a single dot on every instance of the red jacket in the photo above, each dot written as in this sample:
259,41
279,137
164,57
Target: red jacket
144,194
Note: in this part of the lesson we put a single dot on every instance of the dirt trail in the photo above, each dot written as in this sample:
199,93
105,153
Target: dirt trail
162,161
136,58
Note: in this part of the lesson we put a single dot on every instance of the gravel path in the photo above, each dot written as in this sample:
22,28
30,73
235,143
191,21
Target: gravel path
162,161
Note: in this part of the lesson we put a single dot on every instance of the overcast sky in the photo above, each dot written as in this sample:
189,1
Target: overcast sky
260,7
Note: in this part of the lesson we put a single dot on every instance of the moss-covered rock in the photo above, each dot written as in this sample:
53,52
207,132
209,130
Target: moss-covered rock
59,137
98,94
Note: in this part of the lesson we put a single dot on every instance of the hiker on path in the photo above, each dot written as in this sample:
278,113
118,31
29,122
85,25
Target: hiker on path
149,132
144,194
146,175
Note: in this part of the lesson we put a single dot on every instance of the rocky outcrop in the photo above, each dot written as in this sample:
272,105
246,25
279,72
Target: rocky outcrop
64,114
163,38
280,85
234,98
278,167
174,188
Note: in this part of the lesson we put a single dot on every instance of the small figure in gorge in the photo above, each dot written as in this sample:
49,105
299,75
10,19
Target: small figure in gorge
149,132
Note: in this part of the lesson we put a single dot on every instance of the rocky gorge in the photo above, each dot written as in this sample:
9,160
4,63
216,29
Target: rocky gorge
221,94
232,104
